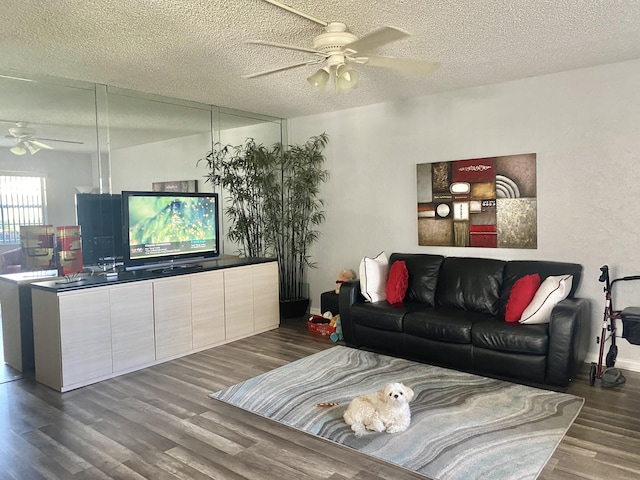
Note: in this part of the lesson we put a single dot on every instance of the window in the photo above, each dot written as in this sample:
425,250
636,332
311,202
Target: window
22,202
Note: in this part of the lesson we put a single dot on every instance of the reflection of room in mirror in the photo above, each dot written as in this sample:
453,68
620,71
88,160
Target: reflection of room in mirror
107,139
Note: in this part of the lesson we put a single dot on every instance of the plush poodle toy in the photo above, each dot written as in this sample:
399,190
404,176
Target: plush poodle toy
345,275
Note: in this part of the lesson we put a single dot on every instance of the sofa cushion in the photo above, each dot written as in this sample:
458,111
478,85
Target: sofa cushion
551,291
397,282
472,284
520,296
382,315
511,337
443,324
423,275
516,269
373,277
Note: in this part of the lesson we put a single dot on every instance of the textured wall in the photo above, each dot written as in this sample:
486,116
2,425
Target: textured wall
584,127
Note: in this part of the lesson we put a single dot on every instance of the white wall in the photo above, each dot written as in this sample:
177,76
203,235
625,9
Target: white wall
584,127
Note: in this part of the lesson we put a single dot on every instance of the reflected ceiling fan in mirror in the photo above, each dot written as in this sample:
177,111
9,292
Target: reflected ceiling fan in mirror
338,49
26,141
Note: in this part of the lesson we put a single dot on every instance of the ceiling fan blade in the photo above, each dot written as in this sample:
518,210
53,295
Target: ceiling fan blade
297,12
287,47
281,69
406,65
376,39
57,140
38,144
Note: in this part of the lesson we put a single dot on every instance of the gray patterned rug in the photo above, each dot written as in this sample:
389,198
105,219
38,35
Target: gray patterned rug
462,427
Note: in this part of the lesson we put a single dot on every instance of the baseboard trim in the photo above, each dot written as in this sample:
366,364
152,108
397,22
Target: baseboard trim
620,363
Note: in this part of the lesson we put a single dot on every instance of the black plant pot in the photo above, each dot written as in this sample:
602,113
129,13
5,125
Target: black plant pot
294,308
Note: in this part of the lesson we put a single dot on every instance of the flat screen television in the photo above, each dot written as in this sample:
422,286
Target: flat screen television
100,220
168,229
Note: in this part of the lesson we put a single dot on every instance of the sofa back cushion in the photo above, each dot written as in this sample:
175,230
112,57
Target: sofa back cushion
423,275
516,269
472,284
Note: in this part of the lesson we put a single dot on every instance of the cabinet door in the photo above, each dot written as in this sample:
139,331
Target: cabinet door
85,335
266,303
11,334
238,304
132,330
172,306
207,308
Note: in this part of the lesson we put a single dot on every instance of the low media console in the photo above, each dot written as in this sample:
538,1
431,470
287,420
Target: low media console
96,328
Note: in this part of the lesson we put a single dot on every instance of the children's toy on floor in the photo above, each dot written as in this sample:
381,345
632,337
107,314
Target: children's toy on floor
321,324
337,335
344,276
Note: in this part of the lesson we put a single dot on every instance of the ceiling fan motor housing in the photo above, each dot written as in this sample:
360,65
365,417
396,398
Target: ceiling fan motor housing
22,131
332,42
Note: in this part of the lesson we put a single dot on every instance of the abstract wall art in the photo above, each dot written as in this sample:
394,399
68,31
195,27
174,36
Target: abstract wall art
482,202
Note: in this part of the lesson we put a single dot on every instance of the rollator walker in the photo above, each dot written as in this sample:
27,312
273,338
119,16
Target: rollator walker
629,314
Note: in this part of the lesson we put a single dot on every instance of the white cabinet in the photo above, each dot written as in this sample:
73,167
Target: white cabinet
207,308
172,306
87,335
132,327
238,302
266,304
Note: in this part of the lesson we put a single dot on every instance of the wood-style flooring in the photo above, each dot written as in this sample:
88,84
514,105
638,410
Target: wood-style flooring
159,423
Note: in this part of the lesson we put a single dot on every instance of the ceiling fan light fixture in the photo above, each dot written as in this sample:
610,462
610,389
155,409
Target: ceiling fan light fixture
18,149
346,78
320,78
32,148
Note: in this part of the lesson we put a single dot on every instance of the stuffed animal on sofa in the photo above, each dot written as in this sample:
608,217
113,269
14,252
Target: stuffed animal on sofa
344,276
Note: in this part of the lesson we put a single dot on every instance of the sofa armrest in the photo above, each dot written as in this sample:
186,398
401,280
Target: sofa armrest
349,294
569,332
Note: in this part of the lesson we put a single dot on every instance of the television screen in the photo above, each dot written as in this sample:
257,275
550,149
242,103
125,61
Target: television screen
100,220
164,228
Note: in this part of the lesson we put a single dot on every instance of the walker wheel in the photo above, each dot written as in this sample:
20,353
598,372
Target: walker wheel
592,374
612,355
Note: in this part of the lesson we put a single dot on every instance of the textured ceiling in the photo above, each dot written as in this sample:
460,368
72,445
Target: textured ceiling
195,50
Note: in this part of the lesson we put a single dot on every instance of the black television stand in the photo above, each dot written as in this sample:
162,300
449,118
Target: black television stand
178,268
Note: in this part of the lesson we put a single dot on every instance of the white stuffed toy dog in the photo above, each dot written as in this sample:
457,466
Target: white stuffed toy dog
386,410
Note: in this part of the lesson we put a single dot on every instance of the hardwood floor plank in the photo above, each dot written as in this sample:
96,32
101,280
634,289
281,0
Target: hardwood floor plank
58,453
131,435
209,465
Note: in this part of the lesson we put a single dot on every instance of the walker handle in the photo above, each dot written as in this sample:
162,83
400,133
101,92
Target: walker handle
604,276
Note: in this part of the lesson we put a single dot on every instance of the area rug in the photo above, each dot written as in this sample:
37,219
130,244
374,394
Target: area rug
463,426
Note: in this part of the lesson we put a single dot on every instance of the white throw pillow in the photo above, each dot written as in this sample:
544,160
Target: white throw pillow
373,277
551,291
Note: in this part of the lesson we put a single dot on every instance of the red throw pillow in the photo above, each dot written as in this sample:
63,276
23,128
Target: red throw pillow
397,282
520,296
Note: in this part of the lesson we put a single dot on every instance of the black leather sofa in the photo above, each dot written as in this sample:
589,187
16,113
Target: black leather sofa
453,316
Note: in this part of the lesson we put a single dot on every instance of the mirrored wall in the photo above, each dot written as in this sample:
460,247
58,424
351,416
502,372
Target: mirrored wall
90,142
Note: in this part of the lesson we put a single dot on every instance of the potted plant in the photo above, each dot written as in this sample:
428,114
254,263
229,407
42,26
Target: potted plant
274,206
245,172
296,212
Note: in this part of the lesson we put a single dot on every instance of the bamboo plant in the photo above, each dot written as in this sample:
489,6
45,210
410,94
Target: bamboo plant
274,205
299,211
245,172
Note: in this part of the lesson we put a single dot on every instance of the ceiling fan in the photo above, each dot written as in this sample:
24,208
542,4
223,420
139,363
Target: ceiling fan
339,49
25,140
